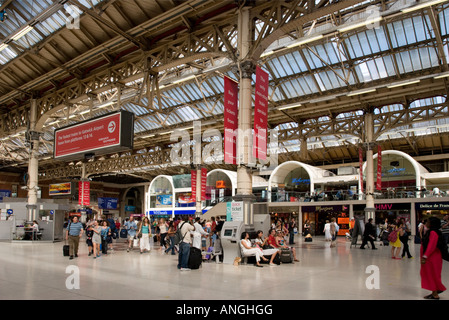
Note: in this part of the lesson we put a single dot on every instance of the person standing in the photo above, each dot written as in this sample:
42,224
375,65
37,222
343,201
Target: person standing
445,228
89,235
369,235
171,235
162,232
96,238
291,231
327,231
144,233
334,232
403,236
131,228
184,246
105,234
395,245
73,234
431,259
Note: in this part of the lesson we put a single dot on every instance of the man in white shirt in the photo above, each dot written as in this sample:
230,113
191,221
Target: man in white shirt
199,231
184,246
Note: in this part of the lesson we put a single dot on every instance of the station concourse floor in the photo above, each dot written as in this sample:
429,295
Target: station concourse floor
39,271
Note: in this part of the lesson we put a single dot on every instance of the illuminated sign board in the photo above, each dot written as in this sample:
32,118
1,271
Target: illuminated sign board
113,132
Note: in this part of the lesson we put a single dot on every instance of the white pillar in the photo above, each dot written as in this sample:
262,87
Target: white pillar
33,165
245,136
369,130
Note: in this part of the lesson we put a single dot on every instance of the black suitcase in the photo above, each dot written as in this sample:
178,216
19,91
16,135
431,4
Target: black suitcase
124,233
286,256
195,258
65,250
309,239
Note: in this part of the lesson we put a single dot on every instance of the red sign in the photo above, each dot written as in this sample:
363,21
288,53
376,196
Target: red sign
84,193
193,183
379,168
260,115
88,136
203,183
361,169
231,124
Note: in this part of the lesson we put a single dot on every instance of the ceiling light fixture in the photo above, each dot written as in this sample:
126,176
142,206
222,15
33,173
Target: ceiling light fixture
422,5
355,93
404,83
22,32
305,40
360,24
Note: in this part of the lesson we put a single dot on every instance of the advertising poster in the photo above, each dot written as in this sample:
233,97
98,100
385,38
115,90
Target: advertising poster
58,189
231,91
260,115
203,183
379,168
84,193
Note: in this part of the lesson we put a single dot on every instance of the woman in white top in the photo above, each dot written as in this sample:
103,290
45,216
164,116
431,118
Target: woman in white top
327,231
248,250
261,241
163,232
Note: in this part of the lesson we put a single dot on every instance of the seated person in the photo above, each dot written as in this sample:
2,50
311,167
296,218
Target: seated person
249,250
280,242
267,249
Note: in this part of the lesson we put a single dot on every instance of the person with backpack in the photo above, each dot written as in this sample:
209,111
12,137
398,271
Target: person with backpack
433,249
394,240
184,244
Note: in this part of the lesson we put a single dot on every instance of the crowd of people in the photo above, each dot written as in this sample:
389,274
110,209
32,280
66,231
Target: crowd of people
433,234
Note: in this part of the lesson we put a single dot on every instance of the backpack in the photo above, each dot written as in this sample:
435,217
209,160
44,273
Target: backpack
178,236
393,236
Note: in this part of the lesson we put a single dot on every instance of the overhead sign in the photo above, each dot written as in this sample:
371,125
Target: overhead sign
107,203
57,189
110,133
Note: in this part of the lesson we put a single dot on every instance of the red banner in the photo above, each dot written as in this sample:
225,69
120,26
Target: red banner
361,169
379,168
84,193
231,124
193,183
203,183
260,115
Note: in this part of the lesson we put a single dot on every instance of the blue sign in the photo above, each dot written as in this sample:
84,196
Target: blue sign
9,211
107,203
130,208
170,212
52,211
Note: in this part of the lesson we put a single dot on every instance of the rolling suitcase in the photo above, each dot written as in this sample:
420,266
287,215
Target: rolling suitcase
124,233
286,256
65,250
195,258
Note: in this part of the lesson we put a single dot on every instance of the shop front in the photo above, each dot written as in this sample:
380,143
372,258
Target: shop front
425,210
318,215
390,211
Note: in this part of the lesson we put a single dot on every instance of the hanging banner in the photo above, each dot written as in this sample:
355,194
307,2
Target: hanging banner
361,168
193,183
84,193
203,183
379,168
260,115
230,120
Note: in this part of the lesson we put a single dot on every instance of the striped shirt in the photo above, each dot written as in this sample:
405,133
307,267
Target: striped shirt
75,228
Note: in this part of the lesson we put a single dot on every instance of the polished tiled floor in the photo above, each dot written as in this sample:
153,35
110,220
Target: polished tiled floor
39,271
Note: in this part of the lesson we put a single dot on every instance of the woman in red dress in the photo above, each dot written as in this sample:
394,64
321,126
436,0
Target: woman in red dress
431,260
